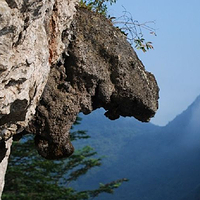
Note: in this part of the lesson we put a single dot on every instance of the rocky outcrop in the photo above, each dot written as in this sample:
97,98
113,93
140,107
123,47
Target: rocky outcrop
84,66
30,42
98,69
5,148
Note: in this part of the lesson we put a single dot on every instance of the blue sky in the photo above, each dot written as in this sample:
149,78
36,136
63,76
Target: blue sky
175,60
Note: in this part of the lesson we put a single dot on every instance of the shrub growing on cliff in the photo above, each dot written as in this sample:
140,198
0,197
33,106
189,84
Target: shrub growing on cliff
99,6
128,26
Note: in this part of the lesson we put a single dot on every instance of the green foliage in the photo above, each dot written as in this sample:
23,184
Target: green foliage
107,188
31,177
98,6
141,44
129,27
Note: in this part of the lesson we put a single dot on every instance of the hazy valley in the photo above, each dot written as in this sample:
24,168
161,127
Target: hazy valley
160,162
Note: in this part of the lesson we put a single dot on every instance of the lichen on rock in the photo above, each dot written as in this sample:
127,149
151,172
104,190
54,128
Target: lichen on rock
99,68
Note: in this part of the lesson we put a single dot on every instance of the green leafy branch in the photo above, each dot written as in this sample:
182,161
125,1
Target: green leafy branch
144,46
104,188
134,30
98,6
126,24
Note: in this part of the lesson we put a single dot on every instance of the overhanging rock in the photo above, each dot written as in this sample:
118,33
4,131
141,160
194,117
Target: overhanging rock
98,69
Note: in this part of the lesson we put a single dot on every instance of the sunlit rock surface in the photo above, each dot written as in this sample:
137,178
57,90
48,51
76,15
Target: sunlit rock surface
30,42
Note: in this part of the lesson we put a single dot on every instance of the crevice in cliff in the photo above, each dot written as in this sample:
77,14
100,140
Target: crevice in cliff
13,82
18,111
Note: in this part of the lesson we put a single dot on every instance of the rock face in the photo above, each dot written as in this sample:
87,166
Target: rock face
5,148
98,69
30,42
84,66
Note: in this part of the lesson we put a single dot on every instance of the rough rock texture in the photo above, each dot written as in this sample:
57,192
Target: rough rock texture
98,69
5,148
30,42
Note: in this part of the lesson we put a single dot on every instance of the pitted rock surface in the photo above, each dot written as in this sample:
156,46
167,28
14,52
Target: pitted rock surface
98,69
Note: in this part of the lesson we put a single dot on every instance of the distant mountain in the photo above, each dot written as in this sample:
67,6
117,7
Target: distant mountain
189,117
162,163
193,195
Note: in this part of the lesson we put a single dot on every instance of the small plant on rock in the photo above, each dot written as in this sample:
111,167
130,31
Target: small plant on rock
126,24
99,6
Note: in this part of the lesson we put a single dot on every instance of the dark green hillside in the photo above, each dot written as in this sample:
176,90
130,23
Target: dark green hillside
161,162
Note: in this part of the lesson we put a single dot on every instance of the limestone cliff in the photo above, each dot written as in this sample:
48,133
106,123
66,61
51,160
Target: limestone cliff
98,69
85,65
30,42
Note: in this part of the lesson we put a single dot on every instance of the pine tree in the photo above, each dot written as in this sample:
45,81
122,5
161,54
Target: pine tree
31,177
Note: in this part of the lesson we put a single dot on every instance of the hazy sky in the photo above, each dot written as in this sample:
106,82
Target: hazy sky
175,60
